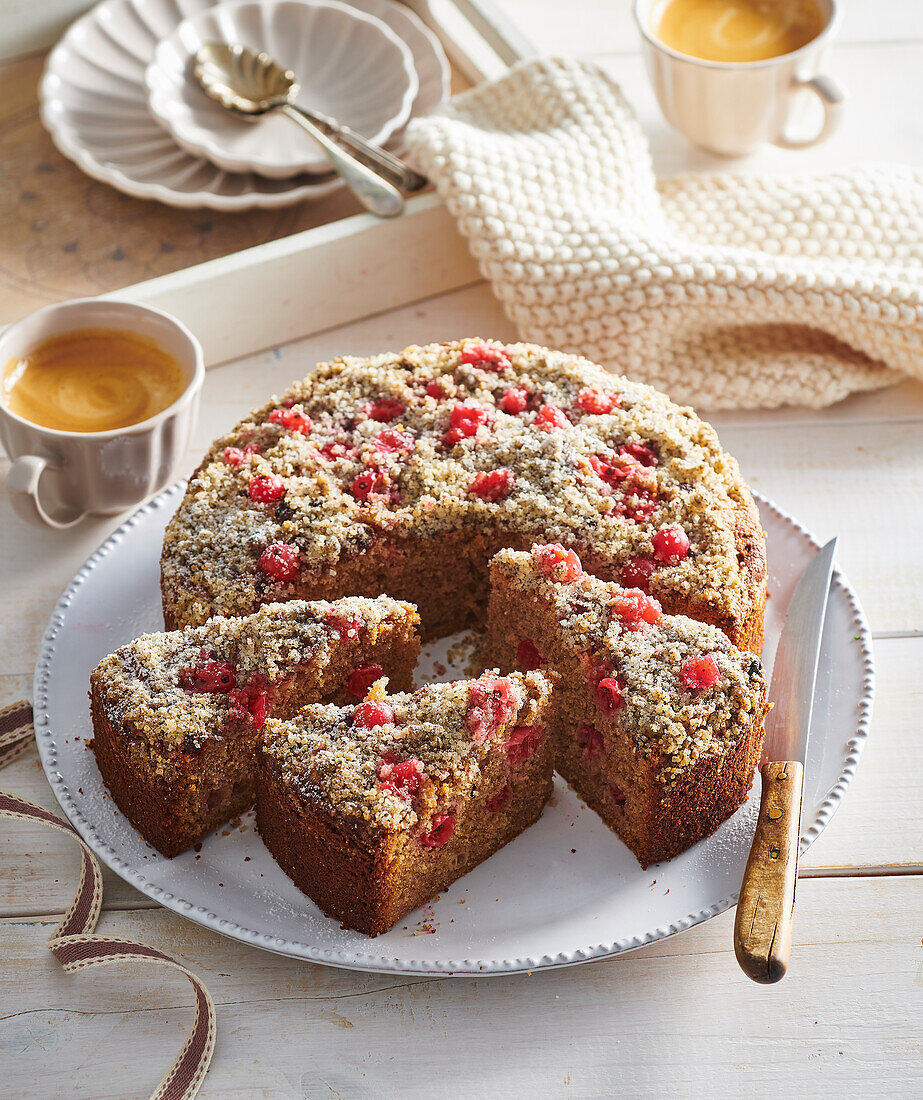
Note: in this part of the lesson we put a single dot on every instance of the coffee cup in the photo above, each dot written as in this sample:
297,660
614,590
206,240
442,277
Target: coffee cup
733,107
59,476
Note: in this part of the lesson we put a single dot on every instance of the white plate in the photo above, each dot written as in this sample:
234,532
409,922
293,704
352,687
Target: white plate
348,65
565,891
94,105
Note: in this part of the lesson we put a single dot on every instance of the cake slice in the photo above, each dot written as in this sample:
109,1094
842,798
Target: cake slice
657,720
373,809
177,716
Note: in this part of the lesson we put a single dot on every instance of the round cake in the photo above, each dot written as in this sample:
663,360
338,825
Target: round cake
404,473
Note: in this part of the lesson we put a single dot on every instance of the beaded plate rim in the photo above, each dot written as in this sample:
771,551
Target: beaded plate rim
47,748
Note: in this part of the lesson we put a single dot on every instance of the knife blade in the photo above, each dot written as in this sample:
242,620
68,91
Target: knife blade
765,909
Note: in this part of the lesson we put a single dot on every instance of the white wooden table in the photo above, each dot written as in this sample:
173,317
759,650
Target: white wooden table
676,1018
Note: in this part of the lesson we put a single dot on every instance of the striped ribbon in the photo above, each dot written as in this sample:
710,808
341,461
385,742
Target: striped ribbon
73,943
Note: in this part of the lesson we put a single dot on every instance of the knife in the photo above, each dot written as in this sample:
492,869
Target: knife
765,909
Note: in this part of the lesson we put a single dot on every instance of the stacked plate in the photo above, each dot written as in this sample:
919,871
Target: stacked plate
120,98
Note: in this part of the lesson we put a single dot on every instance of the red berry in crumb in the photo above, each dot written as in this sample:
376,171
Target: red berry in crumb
637,572
400,777
498,801
638,505
522,744
556,563
443,827
391,441
345,626
214,677
528,656
292,420
266,489
250,703
434,389
492,703
237,456
486,356
464,422
671,545
514,400
635,608
594,401
362,678
609,697
370,483
491,485
591,739
640,452
550,417
367,715
280,561
610,469
384,409
700,673
332,451
616,794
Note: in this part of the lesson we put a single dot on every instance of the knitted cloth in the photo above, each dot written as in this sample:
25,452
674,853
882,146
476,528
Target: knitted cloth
727,291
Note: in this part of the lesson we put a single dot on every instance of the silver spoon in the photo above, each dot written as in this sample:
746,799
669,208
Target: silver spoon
251,83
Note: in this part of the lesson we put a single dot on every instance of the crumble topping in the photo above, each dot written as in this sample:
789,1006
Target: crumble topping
466,434
660,713
143,682
323,754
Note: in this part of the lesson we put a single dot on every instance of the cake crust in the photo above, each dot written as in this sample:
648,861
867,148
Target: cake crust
380,488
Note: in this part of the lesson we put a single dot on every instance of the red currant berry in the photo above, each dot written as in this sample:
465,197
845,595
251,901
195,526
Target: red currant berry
492,704
292,421
280,561
214,677
266,489
514,400
498,802
609,697
362,678
400,777
556,563
640,452
700,673
434,389
635,608
384,409
393,442
443,827
491,485
637,572
486,356
594,401
671,545
370,483
464,421
528,656
550,417
237,456
368,715
345,626
523,744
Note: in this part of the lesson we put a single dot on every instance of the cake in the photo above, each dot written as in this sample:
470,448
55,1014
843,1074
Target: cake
177,716
657,719
406,472
374,809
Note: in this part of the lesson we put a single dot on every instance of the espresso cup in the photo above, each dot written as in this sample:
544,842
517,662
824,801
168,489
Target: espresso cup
732,108
58,477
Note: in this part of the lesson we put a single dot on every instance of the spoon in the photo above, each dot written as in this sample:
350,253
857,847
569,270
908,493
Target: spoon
251,83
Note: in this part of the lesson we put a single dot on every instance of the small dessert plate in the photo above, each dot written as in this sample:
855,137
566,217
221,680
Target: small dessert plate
348,64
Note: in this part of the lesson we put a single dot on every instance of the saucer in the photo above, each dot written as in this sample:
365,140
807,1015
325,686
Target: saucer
348,64
94,106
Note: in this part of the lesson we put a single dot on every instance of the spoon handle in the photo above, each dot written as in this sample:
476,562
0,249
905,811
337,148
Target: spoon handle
389,166
375,194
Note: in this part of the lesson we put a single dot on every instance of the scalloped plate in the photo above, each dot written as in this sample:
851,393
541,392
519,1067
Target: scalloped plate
566,891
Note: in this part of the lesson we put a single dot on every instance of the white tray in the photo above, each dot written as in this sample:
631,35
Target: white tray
566,891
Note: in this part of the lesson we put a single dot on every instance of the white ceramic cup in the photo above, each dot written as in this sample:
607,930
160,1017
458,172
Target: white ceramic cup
732,108
58,477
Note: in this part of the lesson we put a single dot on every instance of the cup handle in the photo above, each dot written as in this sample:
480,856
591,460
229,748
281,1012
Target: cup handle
22,481
831,96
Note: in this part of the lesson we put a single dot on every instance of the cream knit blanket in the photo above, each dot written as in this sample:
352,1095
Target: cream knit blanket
727,291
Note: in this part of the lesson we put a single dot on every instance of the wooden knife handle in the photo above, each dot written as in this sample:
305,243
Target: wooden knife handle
765,910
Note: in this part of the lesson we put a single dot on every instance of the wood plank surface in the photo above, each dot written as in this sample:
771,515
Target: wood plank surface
676,1018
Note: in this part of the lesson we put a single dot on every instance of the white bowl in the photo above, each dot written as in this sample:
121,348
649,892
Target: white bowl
348,64
94,106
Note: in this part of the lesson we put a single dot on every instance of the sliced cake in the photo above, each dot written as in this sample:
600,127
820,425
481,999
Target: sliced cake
657,720
373,809
406,472
177,716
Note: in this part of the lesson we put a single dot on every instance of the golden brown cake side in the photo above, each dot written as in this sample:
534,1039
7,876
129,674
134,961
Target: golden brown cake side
376,474
177,717
658,720
373,820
